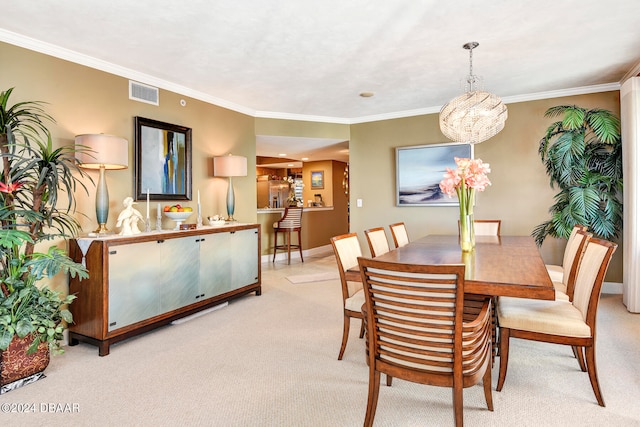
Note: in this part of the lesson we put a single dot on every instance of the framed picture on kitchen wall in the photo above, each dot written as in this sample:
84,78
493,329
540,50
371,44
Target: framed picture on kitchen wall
419,170
317,180
162,154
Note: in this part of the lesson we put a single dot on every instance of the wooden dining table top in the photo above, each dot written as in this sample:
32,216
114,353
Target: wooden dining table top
498,266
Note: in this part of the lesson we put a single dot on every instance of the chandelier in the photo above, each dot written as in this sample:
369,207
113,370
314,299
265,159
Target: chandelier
474,116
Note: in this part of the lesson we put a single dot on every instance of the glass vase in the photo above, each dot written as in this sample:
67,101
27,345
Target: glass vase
467,233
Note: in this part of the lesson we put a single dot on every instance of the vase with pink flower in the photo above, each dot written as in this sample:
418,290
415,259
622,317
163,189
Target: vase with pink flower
470,175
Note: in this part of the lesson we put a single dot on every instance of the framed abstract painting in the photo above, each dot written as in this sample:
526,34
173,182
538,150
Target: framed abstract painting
419,170
162,154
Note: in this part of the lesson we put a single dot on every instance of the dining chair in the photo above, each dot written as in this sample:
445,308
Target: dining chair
556,272
377,240
399,233
573,255
559,322
291,222
485,227
347,250
415,330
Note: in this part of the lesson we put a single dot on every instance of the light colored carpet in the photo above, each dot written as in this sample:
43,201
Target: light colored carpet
272,361
317,277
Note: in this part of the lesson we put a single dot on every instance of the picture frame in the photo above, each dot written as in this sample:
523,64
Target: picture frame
419,170
317,179
162,153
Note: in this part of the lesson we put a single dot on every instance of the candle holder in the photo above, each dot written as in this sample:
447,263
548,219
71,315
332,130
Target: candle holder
159,221
147,225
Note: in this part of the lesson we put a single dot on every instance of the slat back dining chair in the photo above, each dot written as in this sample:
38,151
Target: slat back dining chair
291,222
556,272
416,332
347,250
399,234
377,240
559,322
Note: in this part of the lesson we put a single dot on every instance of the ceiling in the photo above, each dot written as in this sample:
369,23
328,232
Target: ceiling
310,59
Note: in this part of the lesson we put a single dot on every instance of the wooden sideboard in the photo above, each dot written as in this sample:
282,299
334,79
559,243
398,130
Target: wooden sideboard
138,283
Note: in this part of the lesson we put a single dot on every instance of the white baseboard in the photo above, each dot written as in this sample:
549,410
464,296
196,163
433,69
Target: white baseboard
295,255
612,288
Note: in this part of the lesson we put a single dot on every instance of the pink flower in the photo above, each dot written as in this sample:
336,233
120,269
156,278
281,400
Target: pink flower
10,187
469,175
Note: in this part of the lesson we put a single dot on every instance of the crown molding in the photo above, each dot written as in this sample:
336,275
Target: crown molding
75,57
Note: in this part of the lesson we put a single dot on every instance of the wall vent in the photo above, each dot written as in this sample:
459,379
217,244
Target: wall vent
144,93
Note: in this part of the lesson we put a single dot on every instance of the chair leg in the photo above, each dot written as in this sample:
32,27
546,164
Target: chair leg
486,383
389,380
593,373
275,244
372,401
345,335
289,247
504,357
300,245
362,329
577,352
458,403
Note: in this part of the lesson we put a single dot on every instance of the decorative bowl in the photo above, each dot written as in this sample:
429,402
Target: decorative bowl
178,217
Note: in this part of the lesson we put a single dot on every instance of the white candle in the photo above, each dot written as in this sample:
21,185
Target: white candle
147,203
158,213
199,203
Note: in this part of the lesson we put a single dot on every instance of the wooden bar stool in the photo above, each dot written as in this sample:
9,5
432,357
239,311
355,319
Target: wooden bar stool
290,222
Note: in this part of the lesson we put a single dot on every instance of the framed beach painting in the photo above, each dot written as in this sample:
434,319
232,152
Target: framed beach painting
162,154
419,170
317,179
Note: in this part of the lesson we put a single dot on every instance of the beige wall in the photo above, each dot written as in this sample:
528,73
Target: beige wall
84,100
520,194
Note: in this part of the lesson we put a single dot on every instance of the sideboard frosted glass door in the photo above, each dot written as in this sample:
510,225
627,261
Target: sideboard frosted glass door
244,258
133,283
215,264
180,272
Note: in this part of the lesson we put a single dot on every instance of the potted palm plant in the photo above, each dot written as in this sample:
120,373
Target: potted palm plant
582,154
34,175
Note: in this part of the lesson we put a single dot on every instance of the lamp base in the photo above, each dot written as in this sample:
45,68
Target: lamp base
102,229
230,218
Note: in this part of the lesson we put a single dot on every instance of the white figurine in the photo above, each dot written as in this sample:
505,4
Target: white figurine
128,218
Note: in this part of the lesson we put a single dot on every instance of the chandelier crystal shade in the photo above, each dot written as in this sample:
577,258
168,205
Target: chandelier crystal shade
474,116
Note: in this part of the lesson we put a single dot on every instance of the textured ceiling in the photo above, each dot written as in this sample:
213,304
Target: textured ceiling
308,59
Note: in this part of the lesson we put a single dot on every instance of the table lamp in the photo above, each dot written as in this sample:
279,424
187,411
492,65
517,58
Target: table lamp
230,166
102,152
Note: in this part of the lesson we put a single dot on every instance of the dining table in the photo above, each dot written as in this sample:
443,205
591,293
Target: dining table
509,266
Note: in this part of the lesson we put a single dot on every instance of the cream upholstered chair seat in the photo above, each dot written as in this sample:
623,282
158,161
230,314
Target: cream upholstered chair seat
570,323
346,249
545,317
416,330
291,222
355,301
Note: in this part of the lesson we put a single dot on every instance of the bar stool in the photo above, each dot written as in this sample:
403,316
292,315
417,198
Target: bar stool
291,221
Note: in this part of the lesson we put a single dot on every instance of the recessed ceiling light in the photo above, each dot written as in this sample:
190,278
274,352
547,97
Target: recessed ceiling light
282,155
290,165
304,159
366,94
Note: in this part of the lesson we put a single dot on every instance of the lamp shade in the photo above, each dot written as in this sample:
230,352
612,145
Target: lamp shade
230,166
97,150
